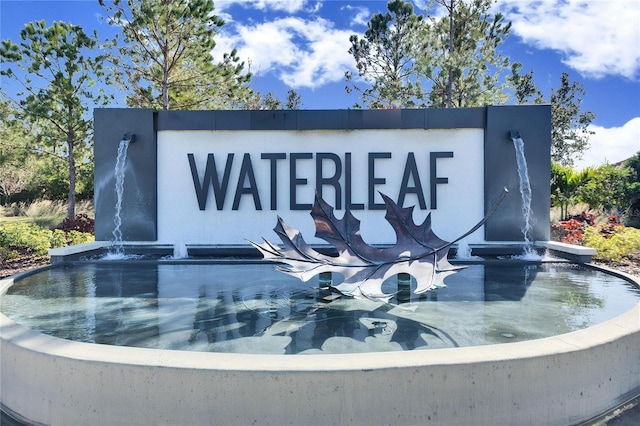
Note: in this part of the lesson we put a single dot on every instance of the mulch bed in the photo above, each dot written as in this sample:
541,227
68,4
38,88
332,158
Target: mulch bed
24,262
632,267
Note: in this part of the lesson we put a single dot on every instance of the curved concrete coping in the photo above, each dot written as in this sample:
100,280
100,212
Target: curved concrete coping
561,380
20,336
569,248
78,248
570,251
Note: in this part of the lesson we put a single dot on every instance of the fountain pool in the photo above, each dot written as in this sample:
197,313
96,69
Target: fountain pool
195,342
251,308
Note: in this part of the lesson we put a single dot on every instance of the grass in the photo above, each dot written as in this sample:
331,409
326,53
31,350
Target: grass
14,219
44,213
554,215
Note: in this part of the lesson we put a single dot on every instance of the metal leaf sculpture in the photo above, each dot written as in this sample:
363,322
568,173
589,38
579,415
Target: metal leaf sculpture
418,251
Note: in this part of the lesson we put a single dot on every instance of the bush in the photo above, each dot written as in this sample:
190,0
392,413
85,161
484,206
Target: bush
613,241
8,254
25,236
82,223
51,214
571,231
15,209
613,246
568,231
33,239
71,238
46,213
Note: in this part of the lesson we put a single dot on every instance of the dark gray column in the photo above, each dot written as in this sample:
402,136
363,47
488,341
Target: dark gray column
533,122
139,219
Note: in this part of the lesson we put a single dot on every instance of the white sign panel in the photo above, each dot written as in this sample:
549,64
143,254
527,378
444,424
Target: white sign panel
227,187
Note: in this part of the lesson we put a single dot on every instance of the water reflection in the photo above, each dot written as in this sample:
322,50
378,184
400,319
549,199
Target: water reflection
251,308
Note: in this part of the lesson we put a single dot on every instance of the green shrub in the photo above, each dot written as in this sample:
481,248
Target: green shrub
34,239
58,238
26,236
61,238
8,254
76,237
615,247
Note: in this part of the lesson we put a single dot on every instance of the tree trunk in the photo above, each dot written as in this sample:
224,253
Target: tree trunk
71,201
165,91
451,34
165,80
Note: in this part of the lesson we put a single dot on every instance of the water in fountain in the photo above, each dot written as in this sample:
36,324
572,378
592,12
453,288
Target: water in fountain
117,251
463,251
240,307
180,251
525,193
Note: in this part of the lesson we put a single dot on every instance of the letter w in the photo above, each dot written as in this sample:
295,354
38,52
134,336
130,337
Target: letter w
210,175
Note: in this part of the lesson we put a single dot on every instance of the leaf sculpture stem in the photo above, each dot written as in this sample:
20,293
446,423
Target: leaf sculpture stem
364,267
484,220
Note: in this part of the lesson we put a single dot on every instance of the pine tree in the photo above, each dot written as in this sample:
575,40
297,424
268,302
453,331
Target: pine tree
163,56
459,55
569,126
383,59
57,67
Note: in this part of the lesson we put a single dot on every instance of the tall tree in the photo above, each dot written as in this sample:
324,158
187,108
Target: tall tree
13,133
633,189
607,189
57,67
294,100
384,59
459,54
565,186
451,59
523,85
569,126
256,101
164,59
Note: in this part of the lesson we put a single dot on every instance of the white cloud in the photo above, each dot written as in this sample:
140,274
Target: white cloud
611,145
303,53
314,8
421,5
289,6
361,14
596,38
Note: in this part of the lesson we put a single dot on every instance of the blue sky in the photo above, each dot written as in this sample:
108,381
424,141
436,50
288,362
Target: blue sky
303,44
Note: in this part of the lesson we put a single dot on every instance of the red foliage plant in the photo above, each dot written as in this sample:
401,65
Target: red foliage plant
81,223
571,231
584,217
613,226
